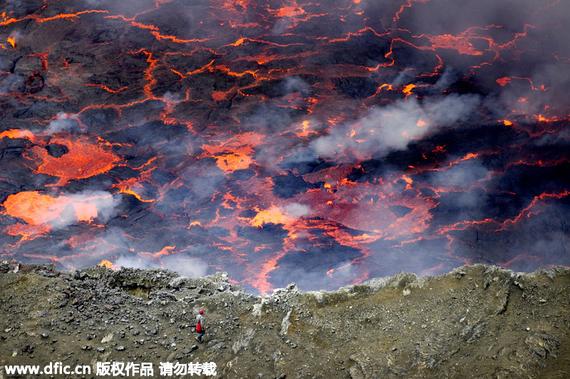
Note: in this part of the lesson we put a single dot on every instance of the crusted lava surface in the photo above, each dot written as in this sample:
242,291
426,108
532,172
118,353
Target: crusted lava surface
324,143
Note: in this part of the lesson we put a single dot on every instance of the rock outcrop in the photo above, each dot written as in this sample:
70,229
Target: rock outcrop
477,321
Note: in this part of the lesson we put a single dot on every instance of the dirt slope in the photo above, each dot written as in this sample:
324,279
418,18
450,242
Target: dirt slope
476,322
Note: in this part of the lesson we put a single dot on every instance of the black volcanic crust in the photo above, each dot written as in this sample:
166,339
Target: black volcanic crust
477,321
320,142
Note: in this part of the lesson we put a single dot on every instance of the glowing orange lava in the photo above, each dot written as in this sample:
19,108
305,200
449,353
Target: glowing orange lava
421,123
107,264
408,89
36,208
459,43
290,11
40,211
18,133
234,153
83,160
27,232
271,215
503,81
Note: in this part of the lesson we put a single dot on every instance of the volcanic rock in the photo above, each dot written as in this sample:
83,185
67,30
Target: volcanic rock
446,326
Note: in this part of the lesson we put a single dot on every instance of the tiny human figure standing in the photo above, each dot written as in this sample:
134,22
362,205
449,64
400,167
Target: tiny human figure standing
200,326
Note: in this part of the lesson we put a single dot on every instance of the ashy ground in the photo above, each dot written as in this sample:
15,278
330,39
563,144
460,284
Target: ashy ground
475,322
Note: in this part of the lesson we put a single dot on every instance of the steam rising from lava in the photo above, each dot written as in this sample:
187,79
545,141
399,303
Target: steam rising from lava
392,128
322,143
43,212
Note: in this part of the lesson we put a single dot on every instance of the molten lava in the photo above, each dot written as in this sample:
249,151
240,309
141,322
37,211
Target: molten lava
84,160
235,153
11,41
317,142
272,215
17,133
41,212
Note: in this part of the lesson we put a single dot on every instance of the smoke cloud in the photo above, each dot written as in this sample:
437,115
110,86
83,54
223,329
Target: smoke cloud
64,122
393,127
100,204
296,210
185,266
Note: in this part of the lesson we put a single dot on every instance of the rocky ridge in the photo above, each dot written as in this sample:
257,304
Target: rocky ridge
477,321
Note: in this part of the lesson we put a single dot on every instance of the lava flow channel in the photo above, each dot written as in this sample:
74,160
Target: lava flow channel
323,143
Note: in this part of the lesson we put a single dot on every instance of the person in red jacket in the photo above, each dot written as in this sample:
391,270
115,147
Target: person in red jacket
200,326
